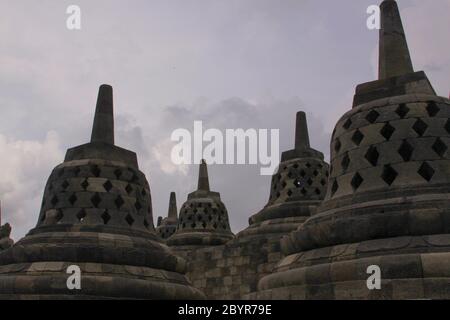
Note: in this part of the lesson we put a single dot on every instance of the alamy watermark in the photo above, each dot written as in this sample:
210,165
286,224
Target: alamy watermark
227,148
74,280
374,280
73,22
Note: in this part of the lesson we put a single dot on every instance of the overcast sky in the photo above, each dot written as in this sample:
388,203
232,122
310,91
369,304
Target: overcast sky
230,63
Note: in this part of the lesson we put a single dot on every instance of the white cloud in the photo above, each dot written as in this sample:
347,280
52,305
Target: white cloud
25,165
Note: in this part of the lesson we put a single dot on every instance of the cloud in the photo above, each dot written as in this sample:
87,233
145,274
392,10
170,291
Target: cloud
25,165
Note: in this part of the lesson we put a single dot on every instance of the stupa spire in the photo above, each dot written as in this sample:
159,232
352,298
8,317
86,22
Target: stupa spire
103,129
203,180
172,206
301,132
394,57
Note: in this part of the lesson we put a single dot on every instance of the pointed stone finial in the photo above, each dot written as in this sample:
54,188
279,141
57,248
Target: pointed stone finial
394,57
172,206
103,129
203,180
301,132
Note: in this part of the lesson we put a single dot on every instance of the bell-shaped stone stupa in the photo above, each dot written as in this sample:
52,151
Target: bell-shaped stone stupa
297,189
387,203
203,217
96,215
167,226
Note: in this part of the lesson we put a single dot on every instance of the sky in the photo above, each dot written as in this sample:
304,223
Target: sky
229,63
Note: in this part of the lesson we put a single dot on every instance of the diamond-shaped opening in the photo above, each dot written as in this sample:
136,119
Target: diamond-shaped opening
387,131
54,200
302,173
357,137
299,183
303,191
315,173
372,156
357,180
129,189
447,126
432,109
119,202
338,145
138,205
420,127
310,182
204,225
118,173
426,171
389,174
129,219
347,124
289,193
334,187
323,182
317,191
85,184
402,110
296,166
95,170
440,147
308,165
146,224
96,199
406,150
290,174
284,184
65,185
135,178
108,186
76,171
345,162
81,215
59,216
372,116
73,198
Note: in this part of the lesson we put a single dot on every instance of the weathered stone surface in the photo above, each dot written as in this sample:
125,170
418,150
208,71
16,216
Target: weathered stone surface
387,201
96,213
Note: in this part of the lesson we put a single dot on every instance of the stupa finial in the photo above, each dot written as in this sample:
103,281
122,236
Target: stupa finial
394,57
301,132
172,206
103,129
203,180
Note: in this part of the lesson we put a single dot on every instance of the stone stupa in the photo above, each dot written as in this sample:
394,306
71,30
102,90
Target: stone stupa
297,188
167,226
5,233
387,203
96,214
203,219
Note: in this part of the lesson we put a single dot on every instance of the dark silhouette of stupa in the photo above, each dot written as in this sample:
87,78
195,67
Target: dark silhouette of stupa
96,214
5,233
167,226
203,217
298,187
387,203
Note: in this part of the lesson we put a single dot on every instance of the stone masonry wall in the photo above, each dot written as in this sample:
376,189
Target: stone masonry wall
233,270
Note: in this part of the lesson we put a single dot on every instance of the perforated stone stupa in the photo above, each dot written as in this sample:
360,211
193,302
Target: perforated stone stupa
387,202
297,188
96,214
203,217
167,226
